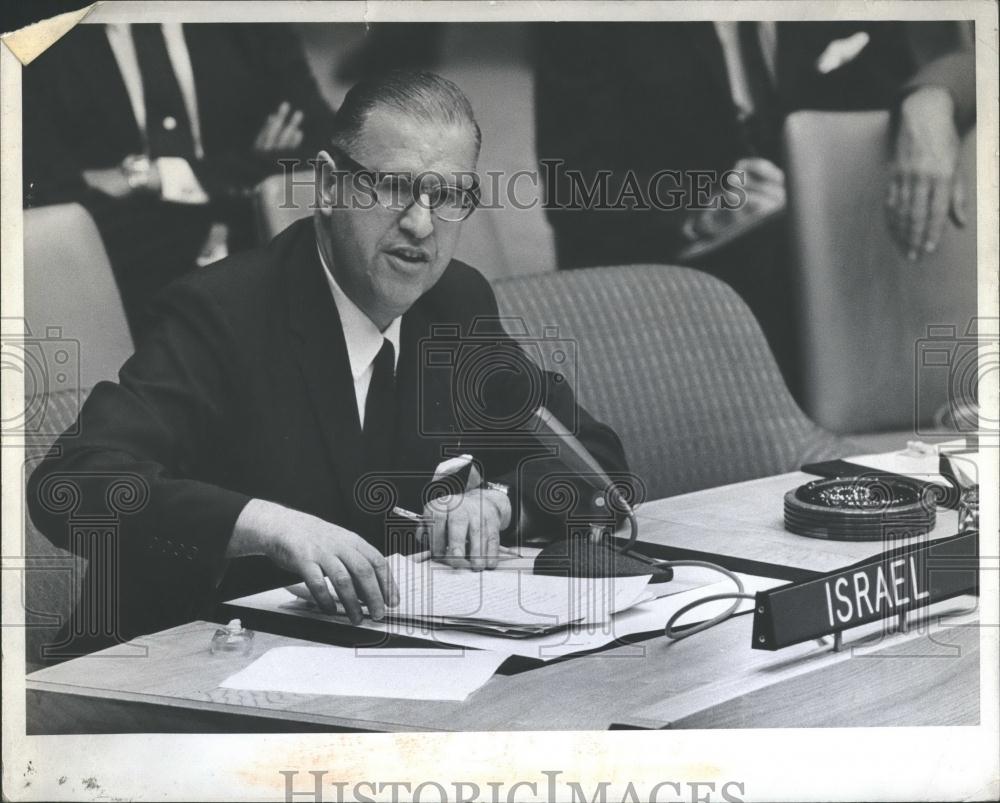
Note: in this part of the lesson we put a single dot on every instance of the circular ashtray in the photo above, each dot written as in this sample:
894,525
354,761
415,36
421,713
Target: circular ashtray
868,494
868,508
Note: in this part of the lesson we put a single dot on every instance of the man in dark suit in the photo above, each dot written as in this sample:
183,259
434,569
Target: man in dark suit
280,382
642,97
698,98
162,132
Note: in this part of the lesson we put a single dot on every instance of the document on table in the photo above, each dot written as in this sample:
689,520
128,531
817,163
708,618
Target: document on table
925,466
412,674
921,467
510,601
645,616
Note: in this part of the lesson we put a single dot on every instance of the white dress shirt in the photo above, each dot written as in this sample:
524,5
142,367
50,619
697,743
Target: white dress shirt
739,86
179,183
363,338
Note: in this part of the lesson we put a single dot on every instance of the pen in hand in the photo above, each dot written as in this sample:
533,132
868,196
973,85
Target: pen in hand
402,512
459,526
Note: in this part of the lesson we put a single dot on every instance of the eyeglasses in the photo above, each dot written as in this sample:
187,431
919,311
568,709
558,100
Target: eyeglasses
397,192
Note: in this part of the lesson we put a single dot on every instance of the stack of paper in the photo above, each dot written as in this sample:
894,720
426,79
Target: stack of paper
648,615
510,603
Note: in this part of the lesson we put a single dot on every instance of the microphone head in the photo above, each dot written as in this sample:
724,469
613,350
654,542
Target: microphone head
580,556
572,453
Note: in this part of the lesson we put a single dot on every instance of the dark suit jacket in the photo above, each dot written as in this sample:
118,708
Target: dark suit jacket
244,390
646,97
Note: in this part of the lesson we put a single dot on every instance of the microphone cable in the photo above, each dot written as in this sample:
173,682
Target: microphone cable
669,630
737,596
610,496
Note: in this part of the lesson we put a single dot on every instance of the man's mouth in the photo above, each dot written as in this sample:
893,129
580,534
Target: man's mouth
410,255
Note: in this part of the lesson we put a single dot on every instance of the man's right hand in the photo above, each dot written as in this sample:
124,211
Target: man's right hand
315,549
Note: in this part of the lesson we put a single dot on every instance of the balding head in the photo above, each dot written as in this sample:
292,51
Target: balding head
423,96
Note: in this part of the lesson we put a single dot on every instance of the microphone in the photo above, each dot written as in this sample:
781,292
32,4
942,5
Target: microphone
578,460
519,397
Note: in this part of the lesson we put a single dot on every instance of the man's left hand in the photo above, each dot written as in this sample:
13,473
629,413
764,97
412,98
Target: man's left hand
923,187
464,530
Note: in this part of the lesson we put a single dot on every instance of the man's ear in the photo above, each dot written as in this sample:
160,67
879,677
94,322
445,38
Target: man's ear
326,193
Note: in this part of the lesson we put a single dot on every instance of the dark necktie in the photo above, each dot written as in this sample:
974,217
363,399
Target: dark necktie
378,434
168,129
763,128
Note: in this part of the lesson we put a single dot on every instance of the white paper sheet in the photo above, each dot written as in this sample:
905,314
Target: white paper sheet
645,617
432,589
924,466
920,467
420,674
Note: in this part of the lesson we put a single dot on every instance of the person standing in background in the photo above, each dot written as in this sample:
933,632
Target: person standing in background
162,131
701,98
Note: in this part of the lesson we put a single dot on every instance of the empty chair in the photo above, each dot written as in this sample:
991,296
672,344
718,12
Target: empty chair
74,334
867,314
675,362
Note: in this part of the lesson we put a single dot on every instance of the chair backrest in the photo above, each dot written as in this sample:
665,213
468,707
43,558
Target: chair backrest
75,335
675,362
70,291
864,307
280,200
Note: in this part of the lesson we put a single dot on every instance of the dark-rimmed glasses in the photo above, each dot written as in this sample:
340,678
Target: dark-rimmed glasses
397,192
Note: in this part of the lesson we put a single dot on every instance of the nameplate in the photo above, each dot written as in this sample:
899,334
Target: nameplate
880,587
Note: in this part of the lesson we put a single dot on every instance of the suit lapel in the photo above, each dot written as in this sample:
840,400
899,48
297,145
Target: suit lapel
322,356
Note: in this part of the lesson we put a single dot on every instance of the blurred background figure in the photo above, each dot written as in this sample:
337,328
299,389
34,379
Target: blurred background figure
938,107
162,132
705,98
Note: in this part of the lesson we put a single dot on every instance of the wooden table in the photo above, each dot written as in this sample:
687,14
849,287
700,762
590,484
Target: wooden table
713,679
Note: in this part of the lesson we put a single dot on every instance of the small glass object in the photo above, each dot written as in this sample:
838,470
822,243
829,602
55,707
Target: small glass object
233,638
968,510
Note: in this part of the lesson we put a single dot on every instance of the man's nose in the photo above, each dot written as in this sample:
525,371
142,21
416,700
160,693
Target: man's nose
418,220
